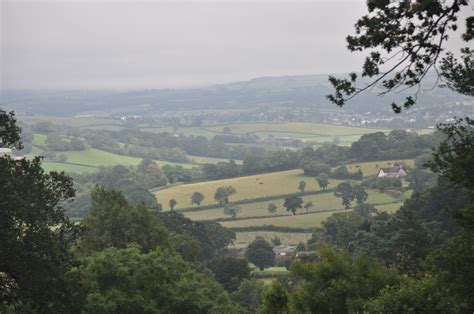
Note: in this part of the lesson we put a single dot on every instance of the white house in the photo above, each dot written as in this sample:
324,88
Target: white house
395,171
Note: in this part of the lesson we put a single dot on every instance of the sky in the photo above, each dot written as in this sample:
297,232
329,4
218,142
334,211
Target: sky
104,44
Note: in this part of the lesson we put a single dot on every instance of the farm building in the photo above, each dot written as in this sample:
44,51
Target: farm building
283,250
395,171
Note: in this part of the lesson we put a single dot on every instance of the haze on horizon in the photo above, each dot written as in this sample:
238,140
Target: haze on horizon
105,44
137,45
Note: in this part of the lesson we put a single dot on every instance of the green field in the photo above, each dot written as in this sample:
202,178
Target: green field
324,201
249,187
86,161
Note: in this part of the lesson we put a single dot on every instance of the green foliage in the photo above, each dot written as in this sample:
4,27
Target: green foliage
197,198
172,203
314,168
260,253
113,222
229,271
340,229
426,295
323,180
338,283
129,281
302,186
9,130
308,205
222,194
35,236
292,203
272,208
344,191
416,32
232,210
249,294
275,299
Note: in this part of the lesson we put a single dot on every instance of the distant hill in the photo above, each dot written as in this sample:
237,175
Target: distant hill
285,91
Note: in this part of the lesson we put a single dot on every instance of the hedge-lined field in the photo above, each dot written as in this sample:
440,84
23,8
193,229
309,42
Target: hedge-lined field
248,187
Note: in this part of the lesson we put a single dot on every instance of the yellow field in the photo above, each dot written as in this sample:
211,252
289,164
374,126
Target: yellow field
372,167
325,201
389,208
268,184
299,221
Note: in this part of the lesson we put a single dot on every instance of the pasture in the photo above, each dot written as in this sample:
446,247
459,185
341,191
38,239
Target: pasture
324,201
309,221
248,187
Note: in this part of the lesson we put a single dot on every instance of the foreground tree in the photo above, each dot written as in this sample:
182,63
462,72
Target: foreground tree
113,222
260,253
292,203
197,198
35,235
129,281
412,34
229,271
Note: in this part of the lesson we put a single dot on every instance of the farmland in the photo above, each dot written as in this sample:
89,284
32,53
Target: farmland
323,201
248,187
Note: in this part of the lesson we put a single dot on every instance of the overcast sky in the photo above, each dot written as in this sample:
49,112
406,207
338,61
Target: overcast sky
155,44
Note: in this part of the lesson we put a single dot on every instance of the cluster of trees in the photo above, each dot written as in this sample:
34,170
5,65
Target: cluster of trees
133,182
56,143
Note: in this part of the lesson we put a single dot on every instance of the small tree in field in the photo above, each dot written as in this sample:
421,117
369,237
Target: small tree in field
302,186
292,203
308,205
272,208
345,192
172,203
197,198
323,181
222,194
231,210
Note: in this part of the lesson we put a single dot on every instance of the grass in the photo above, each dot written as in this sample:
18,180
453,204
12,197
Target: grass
325,201
56,166
244,238
248,187
372,167
39,139
298,221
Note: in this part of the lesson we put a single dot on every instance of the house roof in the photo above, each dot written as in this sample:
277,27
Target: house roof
284,249
393,169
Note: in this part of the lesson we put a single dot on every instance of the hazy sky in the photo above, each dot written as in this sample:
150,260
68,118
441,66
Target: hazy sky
155,44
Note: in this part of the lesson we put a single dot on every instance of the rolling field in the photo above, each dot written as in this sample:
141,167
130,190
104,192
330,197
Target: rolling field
297,221
389,208
87,161
324,201
372,167
268,184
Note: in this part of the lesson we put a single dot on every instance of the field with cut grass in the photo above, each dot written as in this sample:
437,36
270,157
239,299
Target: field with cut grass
309,221
248,187
324,201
